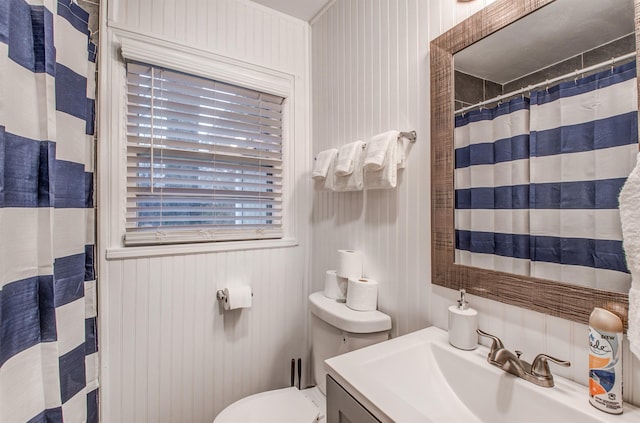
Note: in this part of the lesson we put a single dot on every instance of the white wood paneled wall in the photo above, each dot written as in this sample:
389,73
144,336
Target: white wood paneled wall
173,356
239,29
370,72
169,354
370,75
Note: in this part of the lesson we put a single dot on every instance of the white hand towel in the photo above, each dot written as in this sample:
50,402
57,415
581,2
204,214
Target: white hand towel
354,180
402,153
377,148
346,158
322,163
630,218
385,175
329,181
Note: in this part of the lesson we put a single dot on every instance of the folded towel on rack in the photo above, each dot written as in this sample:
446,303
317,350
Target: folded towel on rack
377,149
382,176
322,163
346,157
352,181
330,180
630,219
401,153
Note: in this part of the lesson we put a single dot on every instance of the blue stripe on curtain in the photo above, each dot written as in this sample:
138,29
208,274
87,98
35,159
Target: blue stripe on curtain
90,336
89,263
91,113
505,150
73,186
28,31
28,315
514,105
601,254
68,276
72,373
68,84
93,399
596,253
507,197
27,171
584,85
506,245
599,194
52,415
595,135
73,13
5,17
43,51
92,50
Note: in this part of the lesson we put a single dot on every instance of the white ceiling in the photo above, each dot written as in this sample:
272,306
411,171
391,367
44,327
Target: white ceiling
558,31
302,9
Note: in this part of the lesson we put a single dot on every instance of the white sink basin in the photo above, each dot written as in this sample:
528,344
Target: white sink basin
419,377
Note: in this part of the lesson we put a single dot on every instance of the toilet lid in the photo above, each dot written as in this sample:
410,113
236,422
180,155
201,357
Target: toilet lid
281,405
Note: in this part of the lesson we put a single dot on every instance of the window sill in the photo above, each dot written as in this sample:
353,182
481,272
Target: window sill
121,253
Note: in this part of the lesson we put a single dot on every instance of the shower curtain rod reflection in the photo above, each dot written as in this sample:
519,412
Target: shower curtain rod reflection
575,73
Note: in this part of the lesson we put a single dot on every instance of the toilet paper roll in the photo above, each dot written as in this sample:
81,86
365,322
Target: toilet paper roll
237,296
362,294
335,287
349,264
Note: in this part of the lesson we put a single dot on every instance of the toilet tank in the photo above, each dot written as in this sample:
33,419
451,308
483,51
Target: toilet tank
337,329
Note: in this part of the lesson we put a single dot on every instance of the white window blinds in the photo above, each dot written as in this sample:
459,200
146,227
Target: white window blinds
204,159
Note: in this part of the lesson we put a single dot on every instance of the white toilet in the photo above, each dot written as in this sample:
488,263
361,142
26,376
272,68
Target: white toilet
335,329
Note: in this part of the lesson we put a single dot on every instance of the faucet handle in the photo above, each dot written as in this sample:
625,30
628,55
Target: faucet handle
497,343
540,365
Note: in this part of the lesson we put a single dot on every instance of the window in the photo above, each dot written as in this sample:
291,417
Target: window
204,159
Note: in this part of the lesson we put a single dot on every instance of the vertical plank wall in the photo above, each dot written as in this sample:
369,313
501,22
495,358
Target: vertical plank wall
168,353
370,73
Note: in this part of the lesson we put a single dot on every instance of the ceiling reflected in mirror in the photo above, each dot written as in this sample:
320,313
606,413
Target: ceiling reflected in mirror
560,30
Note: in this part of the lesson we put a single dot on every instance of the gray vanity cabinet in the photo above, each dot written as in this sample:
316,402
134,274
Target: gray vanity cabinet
343,408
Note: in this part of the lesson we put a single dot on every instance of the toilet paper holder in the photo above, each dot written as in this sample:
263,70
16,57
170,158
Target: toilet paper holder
221,296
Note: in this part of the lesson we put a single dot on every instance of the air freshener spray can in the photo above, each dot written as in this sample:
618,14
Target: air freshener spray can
605,361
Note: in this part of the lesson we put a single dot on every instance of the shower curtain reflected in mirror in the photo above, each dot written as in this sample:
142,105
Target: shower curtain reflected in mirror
48,340
543,201
491,187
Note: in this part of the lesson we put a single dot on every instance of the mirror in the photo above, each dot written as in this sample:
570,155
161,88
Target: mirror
497,58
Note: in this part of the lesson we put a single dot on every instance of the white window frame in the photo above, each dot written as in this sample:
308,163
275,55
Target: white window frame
154,51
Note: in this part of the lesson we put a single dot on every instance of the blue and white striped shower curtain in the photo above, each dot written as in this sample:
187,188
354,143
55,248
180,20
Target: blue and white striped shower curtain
48,340
581,144
491,194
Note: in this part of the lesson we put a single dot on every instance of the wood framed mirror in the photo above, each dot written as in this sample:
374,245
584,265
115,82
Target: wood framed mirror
559,299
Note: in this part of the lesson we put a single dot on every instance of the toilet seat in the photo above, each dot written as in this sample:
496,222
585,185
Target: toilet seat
280,405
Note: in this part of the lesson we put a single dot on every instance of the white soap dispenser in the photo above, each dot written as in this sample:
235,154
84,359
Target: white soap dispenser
463,322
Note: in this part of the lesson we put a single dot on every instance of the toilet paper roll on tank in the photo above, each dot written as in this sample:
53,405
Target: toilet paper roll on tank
349,264
362,294
335,287
347,283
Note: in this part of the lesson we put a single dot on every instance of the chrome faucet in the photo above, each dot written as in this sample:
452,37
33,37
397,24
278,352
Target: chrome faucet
537,372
